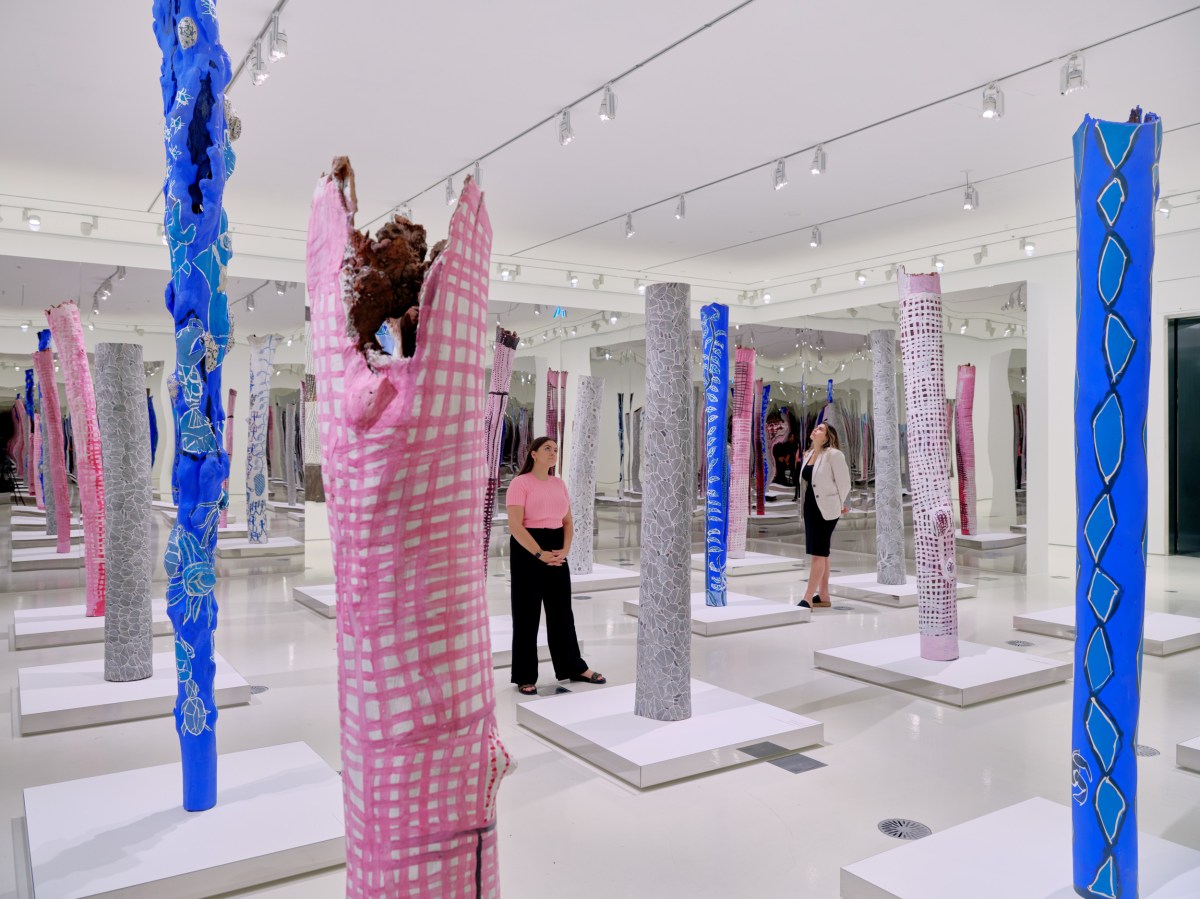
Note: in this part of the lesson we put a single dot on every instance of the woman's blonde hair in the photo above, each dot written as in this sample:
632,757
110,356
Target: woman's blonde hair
831,435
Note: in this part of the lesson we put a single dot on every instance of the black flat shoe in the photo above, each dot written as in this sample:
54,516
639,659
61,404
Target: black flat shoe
819,603
804,604
527,689
594,678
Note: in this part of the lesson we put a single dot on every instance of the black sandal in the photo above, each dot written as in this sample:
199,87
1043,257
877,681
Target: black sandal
804,604
527,689
595,678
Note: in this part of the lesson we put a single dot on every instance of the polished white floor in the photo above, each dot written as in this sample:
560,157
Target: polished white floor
568,829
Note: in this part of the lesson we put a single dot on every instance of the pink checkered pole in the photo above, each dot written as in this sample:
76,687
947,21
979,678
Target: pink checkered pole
402,445
964,443
739,475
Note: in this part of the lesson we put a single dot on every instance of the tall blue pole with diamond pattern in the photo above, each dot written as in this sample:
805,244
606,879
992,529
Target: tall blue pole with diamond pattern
1116,188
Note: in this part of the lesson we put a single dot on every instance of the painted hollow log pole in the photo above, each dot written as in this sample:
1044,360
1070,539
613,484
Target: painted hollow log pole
889,503
152,421
262,360
199,132
414,659
760,435
81,400
45,473
964,448
59,492
739,478
555,380
585,451
664,638
493,425
289,452
31,434
635,450
714,336
621,446
229,417
933,516
1116,190
125,436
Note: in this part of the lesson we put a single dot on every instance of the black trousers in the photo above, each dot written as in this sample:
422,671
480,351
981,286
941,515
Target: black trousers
534,584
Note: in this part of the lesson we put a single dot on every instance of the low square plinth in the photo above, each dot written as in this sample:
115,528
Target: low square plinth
501,627
46,559
278,554
989,541
1020,851
1162,633
1187,754
979,673
602,577
752,563
600,727
1017,528
75,694
69,625
901,596
742,613
771,517
25,520
278,814
321,598
35,540
277,506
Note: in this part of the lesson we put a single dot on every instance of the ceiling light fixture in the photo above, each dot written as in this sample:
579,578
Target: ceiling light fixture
970,197
818,162
993,102
25,326
574,331
279,43
106,289
258,68
613,317
766,298
162,234
281,287
478,175
1164,208
680,207
32,219
815,286
853,312
861,277
451,199
598,282
289,341
250,301
814,239
1070,76
572,279
890,272
990,328
780,174
962,329
121,273
91,327
1028,246
938,262
566,133
1008,332
629,232
896,314
638,285
88,228
981,254
595,326
608,104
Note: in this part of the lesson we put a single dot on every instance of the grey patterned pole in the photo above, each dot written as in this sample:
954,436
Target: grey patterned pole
664,641
585,441
125,448
262,357
889,510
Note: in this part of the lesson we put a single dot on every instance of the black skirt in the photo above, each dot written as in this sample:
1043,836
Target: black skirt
817,530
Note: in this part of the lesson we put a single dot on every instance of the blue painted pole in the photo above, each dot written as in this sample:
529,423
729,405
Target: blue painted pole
1116,189
714,324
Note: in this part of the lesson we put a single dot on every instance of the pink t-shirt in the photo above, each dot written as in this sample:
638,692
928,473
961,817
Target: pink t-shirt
546,502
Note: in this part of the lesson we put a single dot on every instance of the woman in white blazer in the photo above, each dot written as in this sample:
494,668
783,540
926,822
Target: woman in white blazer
825,480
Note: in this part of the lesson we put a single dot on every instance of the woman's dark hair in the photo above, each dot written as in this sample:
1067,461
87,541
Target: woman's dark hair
533,448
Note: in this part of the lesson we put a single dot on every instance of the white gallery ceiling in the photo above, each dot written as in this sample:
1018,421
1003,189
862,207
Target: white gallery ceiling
414,93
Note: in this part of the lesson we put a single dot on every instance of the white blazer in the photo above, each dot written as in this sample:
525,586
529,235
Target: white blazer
830,482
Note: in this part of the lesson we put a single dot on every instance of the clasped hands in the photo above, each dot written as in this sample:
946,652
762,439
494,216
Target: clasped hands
554,556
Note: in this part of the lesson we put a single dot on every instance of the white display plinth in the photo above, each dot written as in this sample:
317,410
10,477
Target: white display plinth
277,554
1162,633
752,563
75,694
68,625
605,577
233,532
34,540
500,518
165,505
867,588
25,521
321,598
627,500
46,559
1187,754
296,516
979,673
989,541
1017,528
783,505
276,506
857,521
600,726
501,628
772,517
1020,852
742,613
278,814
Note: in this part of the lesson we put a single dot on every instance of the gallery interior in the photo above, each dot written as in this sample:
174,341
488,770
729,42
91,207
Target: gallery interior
862,558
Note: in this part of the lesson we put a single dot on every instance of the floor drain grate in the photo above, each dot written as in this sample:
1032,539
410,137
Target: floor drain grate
1060,577
904,829
255,689
843,608
583,596
1018,642
1146,752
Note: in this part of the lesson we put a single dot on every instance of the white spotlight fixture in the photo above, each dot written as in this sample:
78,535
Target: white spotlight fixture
32,219
451,199
25,326
121,273
95,306
574,331
853,312
279,46
250,302
613,317
1008,332
938,262
566,133
1028,247
890,272
638,285
814,239
572,279
596,326
980,255
258,68
896,314
1164,208
105,289
780,174
537,309
990,328
860,277
598,282
818,162
91,327
993,102
1070,76
162,235
281,287
815,286
970,197
681,207
289,341
478,175
766,298
962,329
87,228
608,104
629,232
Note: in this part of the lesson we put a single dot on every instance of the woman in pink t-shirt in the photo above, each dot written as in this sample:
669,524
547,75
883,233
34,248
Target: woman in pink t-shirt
539,519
